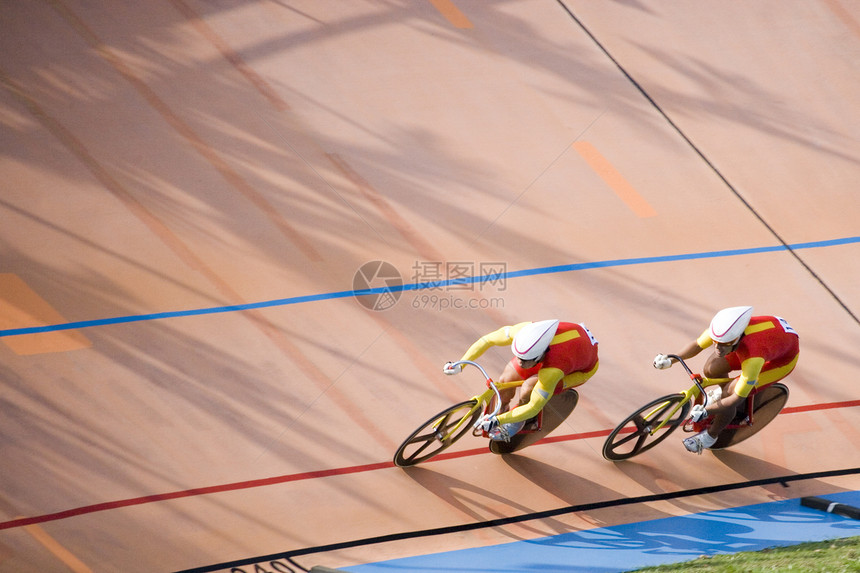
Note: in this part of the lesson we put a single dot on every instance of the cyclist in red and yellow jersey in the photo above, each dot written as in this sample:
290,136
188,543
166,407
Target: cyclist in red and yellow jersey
763,348
549,356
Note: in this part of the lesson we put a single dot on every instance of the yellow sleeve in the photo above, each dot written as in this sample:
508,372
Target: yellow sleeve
548,379
750,370
704,340
504,336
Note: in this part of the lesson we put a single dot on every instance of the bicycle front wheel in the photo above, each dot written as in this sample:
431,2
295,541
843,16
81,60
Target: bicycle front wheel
645,428
766,405
437,433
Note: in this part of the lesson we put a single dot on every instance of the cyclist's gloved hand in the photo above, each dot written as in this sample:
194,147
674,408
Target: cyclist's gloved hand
450,368
698,413
487,422
661,362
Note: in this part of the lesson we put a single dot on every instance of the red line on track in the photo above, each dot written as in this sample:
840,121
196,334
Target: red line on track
22,521
828,406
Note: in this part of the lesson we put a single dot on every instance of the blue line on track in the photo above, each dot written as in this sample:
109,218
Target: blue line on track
428,285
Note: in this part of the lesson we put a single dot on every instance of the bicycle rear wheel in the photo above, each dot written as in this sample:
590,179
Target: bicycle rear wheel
767,403
437,433
636,434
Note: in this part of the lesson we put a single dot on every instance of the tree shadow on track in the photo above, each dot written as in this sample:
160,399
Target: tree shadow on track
575,490
482,504
755,469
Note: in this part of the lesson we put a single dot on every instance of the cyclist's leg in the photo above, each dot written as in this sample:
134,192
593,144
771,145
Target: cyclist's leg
726,409
520,396
569,382
735,394
719,368
508,395
524,397
767,404
509,374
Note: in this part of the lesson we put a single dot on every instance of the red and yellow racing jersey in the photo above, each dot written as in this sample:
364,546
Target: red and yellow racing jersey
767,352
570,359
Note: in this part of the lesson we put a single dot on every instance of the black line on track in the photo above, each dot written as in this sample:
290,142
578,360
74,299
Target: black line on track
289,555
707,161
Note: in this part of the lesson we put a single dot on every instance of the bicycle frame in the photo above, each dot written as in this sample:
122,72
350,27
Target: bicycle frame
691,393
449,425
698,389
493,390
653,422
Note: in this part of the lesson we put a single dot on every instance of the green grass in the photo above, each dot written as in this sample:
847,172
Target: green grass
835,556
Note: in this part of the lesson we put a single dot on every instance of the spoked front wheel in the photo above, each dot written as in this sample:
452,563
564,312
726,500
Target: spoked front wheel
639,432
767,403
437,433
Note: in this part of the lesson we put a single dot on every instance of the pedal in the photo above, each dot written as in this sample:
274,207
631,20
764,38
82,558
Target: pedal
691,426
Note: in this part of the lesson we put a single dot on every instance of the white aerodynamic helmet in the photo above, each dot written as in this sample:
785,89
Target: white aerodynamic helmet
533,339
729,324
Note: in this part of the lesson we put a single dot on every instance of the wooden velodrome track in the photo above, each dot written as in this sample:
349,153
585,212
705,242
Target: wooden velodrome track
190,188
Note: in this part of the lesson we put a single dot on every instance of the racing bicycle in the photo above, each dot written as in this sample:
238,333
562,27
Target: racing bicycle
653,422
451,424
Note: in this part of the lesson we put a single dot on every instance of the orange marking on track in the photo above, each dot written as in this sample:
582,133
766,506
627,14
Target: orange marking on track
230,55
845,15
22,307
452,13
614,179
60,552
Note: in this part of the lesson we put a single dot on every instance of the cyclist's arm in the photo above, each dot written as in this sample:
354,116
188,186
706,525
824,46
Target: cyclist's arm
750,370
501,337
704,340
548,379
695,347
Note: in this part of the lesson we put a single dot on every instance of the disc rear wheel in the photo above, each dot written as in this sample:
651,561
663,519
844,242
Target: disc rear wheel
767,404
